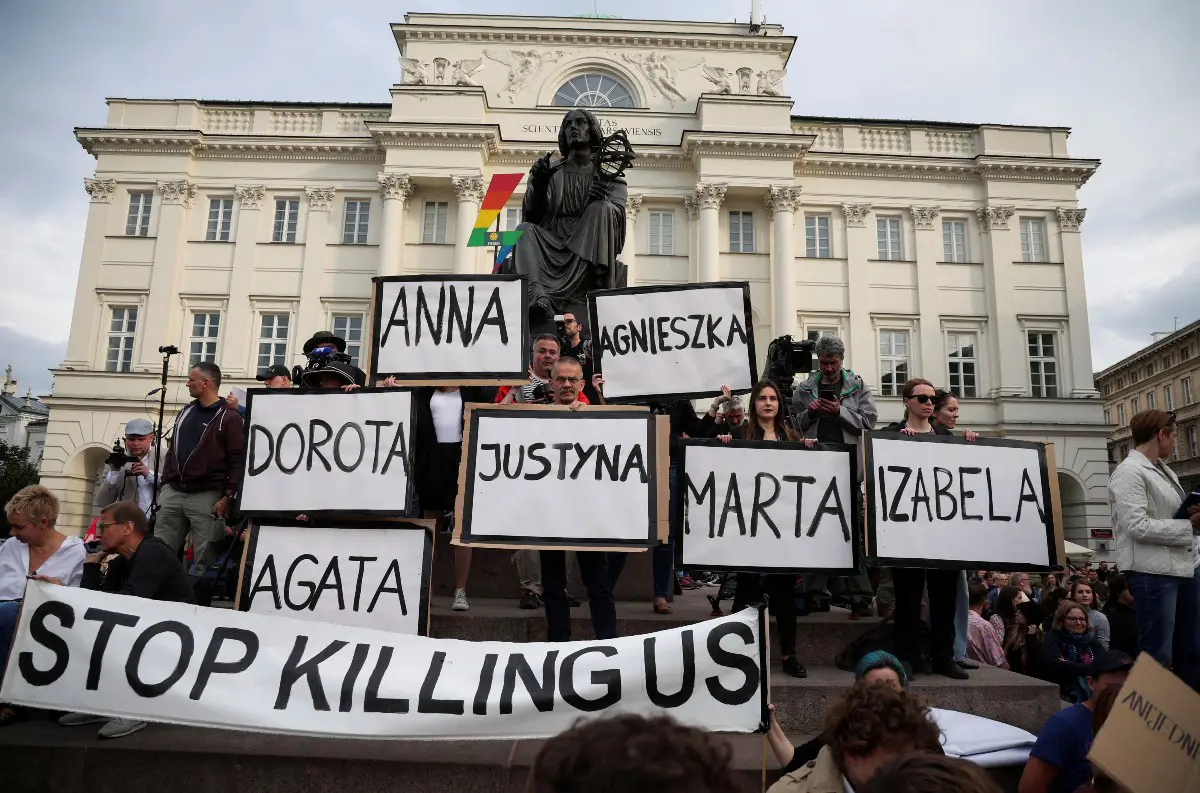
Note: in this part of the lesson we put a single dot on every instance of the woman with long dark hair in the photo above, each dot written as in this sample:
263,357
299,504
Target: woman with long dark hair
767,423
1005,613
1083,594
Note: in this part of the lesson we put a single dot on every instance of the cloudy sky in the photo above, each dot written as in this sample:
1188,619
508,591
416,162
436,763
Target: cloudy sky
1123,76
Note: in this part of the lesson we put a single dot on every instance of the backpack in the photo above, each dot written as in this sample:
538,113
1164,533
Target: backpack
878,637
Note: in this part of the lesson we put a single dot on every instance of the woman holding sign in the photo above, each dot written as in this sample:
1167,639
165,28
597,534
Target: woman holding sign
767,423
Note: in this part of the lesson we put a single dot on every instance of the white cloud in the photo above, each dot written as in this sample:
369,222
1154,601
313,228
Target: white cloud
39,255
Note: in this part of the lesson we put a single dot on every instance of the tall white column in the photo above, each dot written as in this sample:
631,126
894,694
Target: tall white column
79,352
1082,384
395,189
928,254
709,196
157,327
633,205
860,246
237,359
691,208
469,190
782,204
312,275
1006,346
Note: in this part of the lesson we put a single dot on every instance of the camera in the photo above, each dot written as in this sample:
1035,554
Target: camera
327,357
119,457
542,393
93,546
786,358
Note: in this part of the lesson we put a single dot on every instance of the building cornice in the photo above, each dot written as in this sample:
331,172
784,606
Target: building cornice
873,166
1153,348
735,144
1023,169
194,143
153,141
485,137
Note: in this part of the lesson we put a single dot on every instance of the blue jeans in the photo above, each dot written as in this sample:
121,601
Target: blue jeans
1168,620
9,610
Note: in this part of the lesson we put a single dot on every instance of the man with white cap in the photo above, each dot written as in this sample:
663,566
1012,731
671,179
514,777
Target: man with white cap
126,479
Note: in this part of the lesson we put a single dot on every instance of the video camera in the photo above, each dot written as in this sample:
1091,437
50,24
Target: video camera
787,358
119,457
327,356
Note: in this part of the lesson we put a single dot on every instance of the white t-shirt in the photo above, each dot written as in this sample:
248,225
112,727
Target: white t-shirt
65,564
447,410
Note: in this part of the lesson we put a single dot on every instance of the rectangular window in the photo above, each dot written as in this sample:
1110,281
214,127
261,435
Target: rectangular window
1186,385
1167,362
220,219
433,230
1150,400
1124,450
741,232
960,350
1168,397
349,327
888,230
1134,405
1191,438
138,222
1184,353
122,330
1043,365
512,218
1150,370
1107,416
1033,240
816,237
662,233
893,361
1121,414
272,340
354,229
287,218
954,241
205,329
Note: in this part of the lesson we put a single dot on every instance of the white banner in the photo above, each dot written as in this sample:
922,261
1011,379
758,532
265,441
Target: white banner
762,506
328,452
367,577
676,342
939,501
113,655
460,328
545,477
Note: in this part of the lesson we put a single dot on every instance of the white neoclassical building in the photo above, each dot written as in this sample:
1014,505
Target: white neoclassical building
234,230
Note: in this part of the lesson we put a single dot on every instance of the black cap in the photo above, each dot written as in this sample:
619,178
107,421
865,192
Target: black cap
278,370
324,337
1110,661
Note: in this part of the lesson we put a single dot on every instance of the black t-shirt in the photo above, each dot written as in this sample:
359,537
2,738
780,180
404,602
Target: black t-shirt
189,431
153,571
829,428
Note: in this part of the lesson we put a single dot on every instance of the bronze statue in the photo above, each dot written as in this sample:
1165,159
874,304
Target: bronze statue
574,218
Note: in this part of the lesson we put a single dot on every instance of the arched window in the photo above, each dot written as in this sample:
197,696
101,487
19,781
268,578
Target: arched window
593,90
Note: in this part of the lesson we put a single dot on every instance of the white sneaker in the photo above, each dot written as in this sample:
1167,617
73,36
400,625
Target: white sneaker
119,728
80,719
460,600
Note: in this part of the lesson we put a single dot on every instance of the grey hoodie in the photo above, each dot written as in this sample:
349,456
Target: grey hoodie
858,406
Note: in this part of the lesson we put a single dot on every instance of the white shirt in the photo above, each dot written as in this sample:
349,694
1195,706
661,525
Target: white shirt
447,410
145,484
65,564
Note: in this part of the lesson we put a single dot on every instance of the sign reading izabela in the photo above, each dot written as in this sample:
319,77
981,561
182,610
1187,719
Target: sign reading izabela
93,652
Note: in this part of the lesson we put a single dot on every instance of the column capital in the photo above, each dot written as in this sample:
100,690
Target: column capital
250,196
856,215
395,186
320,199
923,217
691,206
633,205
782,198
468,188
1070,219
994,216
180,191
101,190
710,195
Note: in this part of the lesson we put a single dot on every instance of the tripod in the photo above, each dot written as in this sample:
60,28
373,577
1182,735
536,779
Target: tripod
167,352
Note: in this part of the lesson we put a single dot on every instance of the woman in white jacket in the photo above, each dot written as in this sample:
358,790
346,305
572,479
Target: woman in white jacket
1156,549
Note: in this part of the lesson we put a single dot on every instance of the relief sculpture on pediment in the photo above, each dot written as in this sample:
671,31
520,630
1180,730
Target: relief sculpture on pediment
662,72
523,66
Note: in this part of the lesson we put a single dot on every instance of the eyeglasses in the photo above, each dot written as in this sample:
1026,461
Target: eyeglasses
103,526
567,380
924,399
1075,619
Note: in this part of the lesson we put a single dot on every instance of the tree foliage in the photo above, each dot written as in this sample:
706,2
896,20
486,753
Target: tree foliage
16,471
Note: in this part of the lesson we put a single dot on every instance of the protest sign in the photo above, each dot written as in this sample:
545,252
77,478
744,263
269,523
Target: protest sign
328,453
767,507
119,656
367,575
673,342
463,329
1151,740
550,477
943,502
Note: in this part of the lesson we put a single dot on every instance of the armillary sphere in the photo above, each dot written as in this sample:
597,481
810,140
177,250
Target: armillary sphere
614,156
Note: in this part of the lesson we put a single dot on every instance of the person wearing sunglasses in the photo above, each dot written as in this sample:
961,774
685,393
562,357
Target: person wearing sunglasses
909,582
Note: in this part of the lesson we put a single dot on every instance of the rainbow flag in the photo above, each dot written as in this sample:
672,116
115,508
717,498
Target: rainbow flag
500,189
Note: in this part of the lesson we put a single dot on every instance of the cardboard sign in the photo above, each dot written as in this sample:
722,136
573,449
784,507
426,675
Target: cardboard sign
673,342
463,329
1151,740
550,477
117,656
767,507
941,501
328,453
368,576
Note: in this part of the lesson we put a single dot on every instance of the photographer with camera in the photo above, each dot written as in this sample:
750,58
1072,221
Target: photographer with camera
129,474
575,346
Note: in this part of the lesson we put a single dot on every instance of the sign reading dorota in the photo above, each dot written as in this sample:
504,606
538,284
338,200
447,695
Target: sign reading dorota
328,452
463,328
673,342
